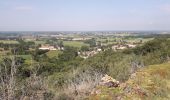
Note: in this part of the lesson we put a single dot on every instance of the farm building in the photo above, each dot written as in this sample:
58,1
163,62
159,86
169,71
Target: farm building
47,48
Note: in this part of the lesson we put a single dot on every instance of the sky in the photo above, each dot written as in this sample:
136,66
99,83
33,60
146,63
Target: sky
84,15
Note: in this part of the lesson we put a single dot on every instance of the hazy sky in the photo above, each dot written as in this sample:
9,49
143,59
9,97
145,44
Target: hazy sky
84,15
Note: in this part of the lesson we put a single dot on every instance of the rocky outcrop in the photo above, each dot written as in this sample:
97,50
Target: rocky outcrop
108,81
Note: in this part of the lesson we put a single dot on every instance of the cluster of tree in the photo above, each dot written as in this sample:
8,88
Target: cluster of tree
55,42
23,47
85,48
91,42
157,46
55,64
153,35
7,46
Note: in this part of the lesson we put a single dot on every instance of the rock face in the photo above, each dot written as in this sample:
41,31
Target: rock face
108,81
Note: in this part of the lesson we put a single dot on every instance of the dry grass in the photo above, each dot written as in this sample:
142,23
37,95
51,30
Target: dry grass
149,83
81,86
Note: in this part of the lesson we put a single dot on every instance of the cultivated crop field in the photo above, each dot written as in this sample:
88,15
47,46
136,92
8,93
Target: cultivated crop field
9,41
77,44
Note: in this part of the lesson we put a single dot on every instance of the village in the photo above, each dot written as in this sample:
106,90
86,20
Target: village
91,51
94,45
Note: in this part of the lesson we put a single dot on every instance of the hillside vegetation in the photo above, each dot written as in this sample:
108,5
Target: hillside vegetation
149,83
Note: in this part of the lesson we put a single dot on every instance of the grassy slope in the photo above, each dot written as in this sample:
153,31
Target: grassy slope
150,83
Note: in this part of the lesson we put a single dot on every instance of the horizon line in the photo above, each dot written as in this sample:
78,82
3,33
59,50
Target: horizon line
95,31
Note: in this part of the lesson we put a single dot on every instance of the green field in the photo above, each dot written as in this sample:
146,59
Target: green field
74,43
111,40
9,41
16,42
104,39
138,39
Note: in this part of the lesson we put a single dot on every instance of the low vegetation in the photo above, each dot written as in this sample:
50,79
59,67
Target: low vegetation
149,83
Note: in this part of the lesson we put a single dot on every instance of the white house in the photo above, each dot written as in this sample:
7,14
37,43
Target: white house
131,45
47,48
